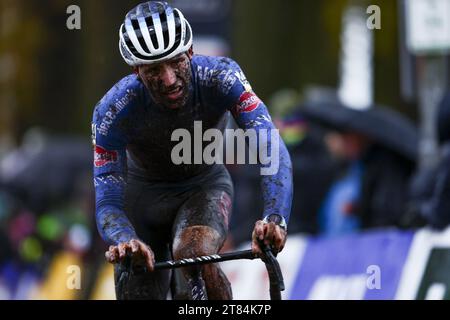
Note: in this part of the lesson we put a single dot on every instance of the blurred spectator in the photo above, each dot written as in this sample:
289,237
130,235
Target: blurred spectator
376,150
430,191
338,214
371,189
384,189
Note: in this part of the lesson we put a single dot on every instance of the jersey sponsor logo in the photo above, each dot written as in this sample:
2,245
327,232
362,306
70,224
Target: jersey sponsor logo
114,110
207,76
228,81
102,157
223,79
243,80
248,102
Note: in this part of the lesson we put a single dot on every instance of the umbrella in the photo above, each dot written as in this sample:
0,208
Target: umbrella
49,174
384,126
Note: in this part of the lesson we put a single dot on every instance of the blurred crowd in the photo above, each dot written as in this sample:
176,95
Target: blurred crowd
46,211
353,170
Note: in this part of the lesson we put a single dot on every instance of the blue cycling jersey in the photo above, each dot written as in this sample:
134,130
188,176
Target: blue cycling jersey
131,133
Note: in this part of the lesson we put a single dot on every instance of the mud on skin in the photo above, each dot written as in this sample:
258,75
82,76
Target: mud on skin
151,77
200,241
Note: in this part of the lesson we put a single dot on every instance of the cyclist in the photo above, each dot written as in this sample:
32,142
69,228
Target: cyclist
147,206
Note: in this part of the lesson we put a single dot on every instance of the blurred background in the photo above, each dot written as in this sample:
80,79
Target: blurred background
358,88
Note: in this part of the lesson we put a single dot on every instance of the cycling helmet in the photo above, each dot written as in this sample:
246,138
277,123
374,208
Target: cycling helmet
152,32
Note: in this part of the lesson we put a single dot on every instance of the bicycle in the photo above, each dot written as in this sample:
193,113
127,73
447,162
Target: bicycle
198,291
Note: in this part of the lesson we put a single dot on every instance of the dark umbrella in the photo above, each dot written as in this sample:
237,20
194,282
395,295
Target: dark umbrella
50,174
384,126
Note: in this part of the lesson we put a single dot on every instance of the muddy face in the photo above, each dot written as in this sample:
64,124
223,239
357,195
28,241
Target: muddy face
168,82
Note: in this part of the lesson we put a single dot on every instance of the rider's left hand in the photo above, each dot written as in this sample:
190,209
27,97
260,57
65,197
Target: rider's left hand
270,234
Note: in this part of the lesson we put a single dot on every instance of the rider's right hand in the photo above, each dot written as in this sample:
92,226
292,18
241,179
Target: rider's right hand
269,234
138,250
